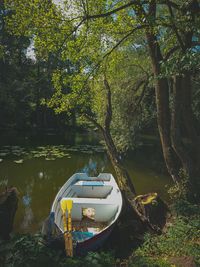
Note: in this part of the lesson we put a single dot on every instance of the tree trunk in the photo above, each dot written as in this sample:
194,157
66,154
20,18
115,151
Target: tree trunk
188,120
123,177
162,104
176,125
126,186
193,139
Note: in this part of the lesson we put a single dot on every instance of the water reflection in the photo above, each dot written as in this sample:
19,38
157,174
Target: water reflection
41,175
94,167
28,213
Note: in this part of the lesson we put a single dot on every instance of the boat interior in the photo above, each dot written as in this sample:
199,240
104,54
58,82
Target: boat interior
93,206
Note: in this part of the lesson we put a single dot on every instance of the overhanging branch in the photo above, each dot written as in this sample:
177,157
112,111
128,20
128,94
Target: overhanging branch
122,40
92,120
103,15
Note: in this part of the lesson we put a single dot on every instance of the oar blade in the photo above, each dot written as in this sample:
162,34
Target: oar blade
63,205
66,204
69,204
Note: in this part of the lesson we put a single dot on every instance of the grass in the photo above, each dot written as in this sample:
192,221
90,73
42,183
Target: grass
181,240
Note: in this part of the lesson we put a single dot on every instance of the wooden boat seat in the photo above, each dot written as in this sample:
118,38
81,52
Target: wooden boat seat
87,223
92,189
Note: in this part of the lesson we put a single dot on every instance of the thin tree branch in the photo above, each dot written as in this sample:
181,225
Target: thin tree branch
89,118
139,83
141,97
139,66
174,26
70,34
103,15
152,9
108,117
122,40
170,52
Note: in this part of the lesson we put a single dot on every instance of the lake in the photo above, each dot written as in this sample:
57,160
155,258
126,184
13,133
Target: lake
39,168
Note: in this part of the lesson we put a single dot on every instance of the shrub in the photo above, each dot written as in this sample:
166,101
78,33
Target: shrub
29,251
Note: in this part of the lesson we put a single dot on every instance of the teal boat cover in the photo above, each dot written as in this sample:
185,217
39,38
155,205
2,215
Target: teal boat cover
93,183
81,236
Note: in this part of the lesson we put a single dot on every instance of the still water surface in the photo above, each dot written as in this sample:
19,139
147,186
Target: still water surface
38,171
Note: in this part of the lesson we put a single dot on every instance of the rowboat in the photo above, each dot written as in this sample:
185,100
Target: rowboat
97,203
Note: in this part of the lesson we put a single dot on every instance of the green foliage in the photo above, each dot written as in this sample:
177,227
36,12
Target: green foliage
181,63
29,251
179,191
183,207
146,261
101,259
25,80
85,48
13,80
181,239
88,47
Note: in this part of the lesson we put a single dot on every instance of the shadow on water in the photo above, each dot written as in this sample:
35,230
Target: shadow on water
38,170
48,138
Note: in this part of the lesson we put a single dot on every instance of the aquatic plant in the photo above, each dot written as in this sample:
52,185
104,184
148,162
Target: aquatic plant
49,152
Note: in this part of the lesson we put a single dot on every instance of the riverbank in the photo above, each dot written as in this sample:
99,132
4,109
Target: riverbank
178,245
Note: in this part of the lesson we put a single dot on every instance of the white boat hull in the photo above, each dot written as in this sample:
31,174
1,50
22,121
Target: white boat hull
100,195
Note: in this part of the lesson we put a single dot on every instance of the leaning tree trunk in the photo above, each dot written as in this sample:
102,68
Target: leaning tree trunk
126,186
123,177
124,180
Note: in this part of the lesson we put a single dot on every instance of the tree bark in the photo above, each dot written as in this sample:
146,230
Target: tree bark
188,120
123,177
124,180
176,124
162,104
126,186
192,138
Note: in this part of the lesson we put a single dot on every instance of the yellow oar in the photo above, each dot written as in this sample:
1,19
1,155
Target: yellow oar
70,242
66,204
